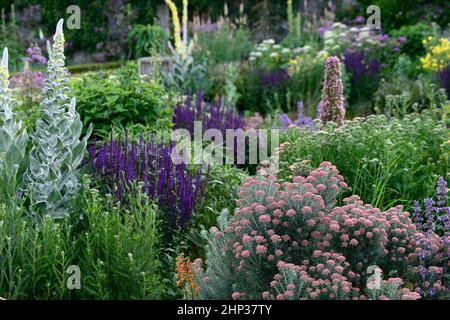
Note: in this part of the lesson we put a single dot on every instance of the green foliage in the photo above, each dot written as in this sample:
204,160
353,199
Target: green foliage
386,161
188,74
80,68
300,30
225,45
148,40
404,67
56,150
121,98
414,35
396,13
224,82
99,20
34,257
117,249
399,95
304,83
9,36
221,177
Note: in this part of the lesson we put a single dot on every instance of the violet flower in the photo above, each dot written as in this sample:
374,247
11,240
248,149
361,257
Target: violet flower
402,40
121,164
301,121
356,65
273,78
359,20
444,78
212,115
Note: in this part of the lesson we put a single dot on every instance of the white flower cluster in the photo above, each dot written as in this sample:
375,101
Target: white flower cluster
341,37
270,55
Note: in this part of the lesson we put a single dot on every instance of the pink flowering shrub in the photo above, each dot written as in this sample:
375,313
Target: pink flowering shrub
331,107
365,234
290,241
328,277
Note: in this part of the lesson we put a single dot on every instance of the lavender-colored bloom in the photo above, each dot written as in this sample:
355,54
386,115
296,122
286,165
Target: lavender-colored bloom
35,55
285,121
383,37
436,213
254,122
433,219
444,78
212,115
273,78
320,30
301,121
441,192
359,20
30,15
123,163
402,40
355,63
417,215
327,25
429,210
29,84
332,104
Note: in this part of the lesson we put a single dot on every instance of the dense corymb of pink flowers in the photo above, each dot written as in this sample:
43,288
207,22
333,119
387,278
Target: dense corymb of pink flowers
327,276
359,230
290,241
331,107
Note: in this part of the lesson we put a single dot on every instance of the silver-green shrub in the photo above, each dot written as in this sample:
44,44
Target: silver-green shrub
13,139
57,149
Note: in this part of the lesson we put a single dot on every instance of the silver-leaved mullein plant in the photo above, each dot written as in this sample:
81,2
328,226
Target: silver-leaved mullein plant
13,140
57,149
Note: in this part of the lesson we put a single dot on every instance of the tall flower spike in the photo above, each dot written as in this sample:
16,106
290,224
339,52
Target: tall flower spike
185,23
13,139
176,25
57,150
331,106
4,66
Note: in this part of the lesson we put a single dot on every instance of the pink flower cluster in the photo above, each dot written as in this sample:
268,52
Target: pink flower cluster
358,230
331,106
294,234
327,276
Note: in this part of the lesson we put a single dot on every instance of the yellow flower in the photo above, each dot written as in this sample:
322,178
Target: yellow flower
275,55
176,25
437,56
